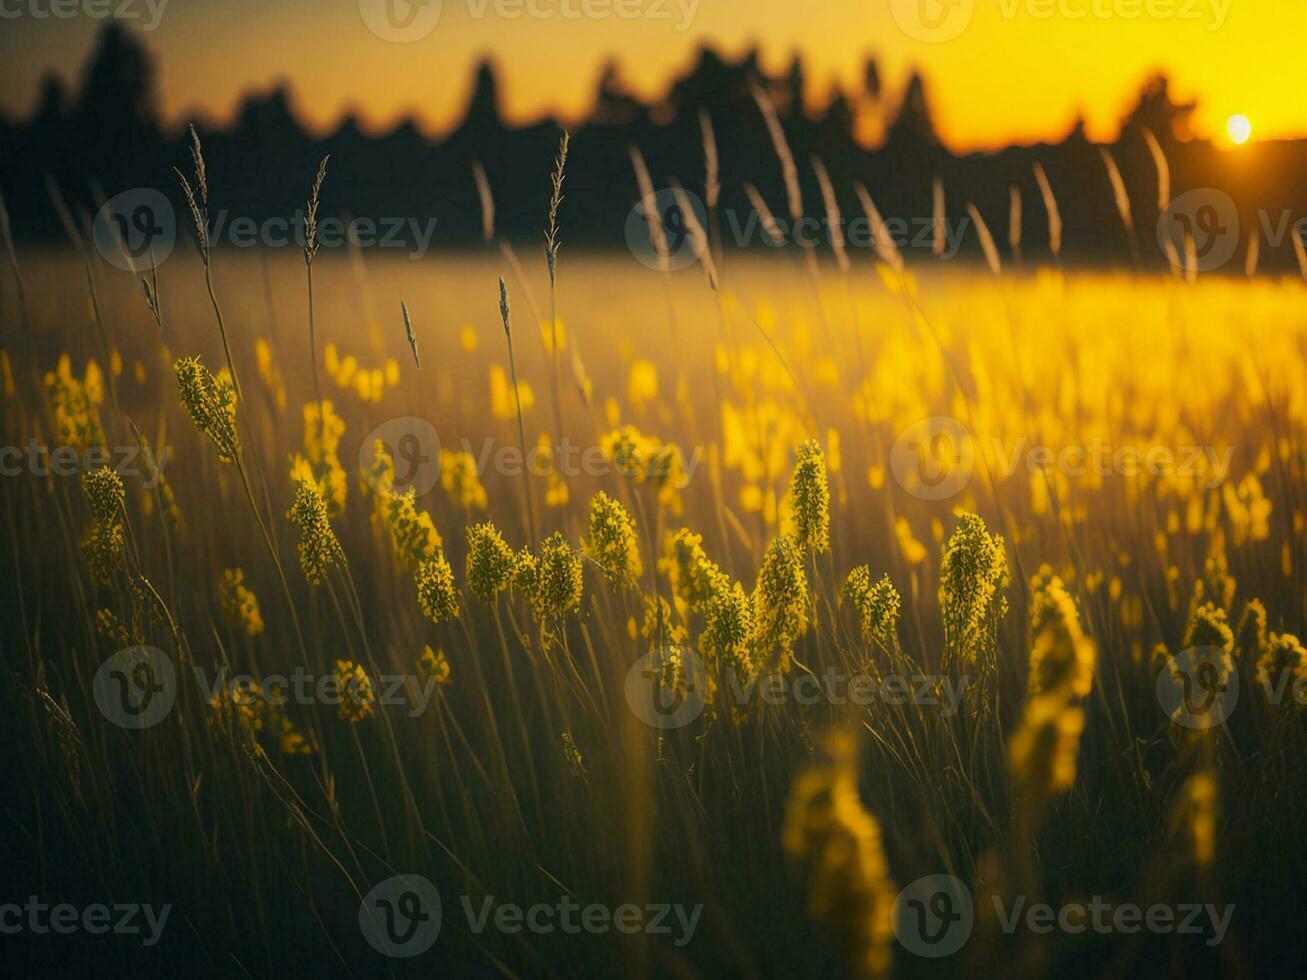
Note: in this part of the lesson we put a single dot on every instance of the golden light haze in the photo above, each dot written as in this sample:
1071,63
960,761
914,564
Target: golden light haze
1019,70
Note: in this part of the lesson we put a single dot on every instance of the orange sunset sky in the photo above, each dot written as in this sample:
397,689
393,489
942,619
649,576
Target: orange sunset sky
998,70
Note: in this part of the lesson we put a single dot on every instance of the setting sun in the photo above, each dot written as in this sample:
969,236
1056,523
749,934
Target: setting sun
1239,129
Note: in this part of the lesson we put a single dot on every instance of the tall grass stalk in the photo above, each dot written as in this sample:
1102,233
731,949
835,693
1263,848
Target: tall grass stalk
12,254
197,200
517,398
653,219
552,244
310,253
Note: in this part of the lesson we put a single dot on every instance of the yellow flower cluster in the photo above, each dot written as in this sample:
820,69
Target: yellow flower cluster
75,404
643,459
1042,751
323,429
877,606
412,534
103,544
1282,666
780,604
1248,509
973,576
210,401
1209,627
113,629
239,604
354,688
1194,817
319,549
242,709
755,443
552,580
573,756
809,499
437,593
491,564
503,402
836,847
729,639
162,488
610,540
270,373
1250,636
1061,655
369,384
435,665
458,475
728,632
695,578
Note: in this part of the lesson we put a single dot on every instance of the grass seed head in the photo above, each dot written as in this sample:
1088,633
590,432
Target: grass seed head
357,699
835,845
239,604
1061,656
810,499
780,604
491,563
1042,751
319,549
611,540
437,593
876,603
210,401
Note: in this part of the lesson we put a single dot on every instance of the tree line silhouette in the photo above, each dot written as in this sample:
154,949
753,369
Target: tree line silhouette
107,137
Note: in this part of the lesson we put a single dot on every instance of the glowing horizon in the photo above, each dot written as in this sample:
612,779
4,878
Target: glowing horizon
1075,63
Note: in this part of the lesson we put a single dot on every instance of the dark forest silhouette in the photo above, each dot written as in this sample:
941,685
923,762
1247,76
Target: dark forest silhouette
106,137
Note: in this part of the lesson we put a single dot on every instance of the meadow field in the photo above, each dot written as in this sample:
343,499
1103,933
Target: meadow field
825,604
